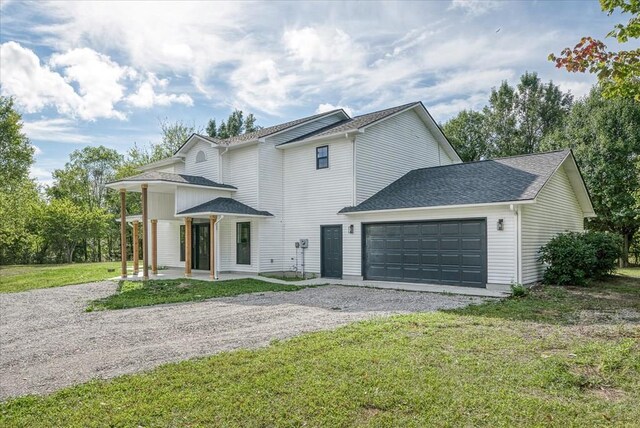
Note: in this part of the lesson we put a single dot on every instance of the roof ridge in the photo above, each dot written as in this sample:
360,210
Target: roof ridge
492,159
384,109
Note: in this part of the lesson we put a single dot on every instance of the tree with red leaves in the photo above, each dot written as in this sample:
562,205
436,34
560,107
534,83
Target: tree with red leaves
618,72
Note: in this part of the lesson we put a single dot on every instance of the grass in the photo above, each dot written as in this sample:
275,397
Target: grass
27,277
132,294
520,362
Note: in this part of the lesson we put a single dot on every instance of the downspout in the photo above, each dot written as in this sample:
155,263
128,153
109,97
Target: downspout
353,171
518,224
217,244
220,165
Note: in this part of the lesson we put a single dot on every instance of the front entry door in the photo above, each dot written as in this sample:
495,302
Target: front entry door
201,247
331,251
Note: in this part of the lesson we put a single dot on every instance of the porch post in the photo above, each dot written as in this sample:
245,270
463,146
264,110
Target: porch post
212,246
145,233
123,231
154,246
136,267
187,246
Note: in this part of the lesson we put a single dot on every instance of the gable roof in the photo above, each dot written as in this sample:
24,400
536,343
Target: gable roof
193,180
354,123
224,206
512,179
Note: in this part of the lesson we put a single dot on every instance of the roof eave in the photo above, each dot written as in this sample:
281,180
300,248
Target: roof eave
120,183
210,213
517,202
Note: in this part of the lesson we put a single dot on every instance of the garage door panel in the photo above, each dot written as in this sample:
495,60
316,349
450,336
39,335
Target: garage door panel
447,259
449,229
451,252
470,260
471,244
411,259
450,243
411,244
429,244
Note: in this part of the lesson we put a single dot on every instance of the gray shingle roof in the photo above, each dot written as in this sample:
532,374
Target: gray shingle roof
225,205
515,178
264,132
175,178
354,123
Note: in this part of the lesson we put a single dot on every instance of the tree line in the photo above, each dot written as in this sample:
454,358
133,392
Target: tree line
73,219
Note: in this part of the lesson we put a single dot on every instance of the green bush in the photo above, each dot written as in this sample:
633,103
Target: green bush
574,258
519,290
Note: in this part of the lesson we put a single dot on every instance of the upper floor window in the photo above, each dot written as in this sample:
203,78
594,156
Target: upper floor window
200,157
322,157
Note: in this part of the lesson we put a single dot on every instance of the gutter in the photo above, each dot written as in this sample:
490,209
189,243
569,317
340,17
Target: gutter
439,207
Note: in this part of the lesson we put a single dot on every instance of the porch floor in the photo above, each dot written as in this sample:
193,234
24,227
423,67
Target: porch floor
176,273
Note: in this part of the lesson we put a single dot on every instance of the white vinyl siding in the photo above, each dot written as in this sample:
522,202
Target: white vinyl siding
501,258
188,197
208,168
556,210
313,197
271,200
241,170
227,236
168,243
161,206
388,150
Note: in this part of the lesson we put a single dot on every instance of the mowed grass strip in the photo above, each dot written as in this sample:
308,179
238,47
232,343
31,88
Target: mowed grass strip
27,277
473,367
132,294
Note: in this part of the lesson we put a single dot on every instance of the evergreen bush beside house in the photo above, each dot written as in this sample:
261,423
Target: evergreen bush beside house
575,258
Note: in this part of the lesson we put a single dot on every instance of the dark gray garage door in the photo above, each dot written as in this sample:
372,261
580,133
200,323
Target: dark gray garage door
434,252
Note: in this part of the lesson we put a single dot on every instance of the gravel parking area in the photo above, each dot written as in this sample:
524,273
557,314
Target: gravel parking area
48,341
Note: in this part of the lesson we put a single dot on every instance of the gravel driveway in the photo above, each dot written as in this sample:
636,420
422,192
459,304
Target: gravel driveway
47,341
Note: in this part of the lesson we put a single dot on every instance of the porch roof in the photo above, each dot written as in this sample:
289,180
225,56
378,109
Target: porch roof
223,206
158,177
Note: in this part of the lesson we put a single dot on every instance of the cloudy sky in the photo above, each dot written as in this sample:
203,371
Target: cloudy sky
91,73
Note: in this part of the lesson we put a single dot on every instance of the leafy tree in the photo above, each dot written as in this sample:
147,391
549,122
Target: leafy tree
212,128
605,137
16,152
513,123
618,72
65,224
518,118
468,134
236,124
174,134
20,237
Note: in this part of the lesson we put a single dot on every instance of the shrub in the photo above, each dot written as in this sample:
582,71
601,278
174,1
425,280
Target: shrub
573,258
519,290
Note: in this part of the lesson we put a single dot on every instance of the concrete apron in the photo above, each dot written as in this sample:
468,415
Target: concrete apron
172,273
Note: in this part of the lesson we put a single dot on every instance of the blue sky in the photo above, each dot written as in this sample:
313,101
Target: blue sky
91,73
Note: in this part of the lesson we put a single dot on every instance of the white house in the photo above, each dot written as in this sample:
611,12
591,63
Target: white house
382,196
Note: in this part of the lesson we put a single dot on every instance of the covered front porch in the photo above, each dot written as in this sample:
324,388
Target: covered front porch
188,211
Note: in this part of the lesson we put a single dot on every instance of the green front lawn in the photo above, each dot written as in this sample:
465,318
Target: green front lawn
556,358
28,277
132,294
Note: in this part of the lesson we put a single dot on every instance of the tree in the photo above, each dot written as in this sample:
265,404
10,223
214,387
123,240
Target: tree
514,122
174,134
518,118
212,128
605,137
236,124
16,152
65,224
468,134
618,72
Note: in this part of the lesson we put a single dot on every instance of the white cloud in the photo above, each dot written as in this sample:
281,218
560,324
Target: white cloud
147,97
36,150
475,7
99,80
35,86
322,108
41,174
59,130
